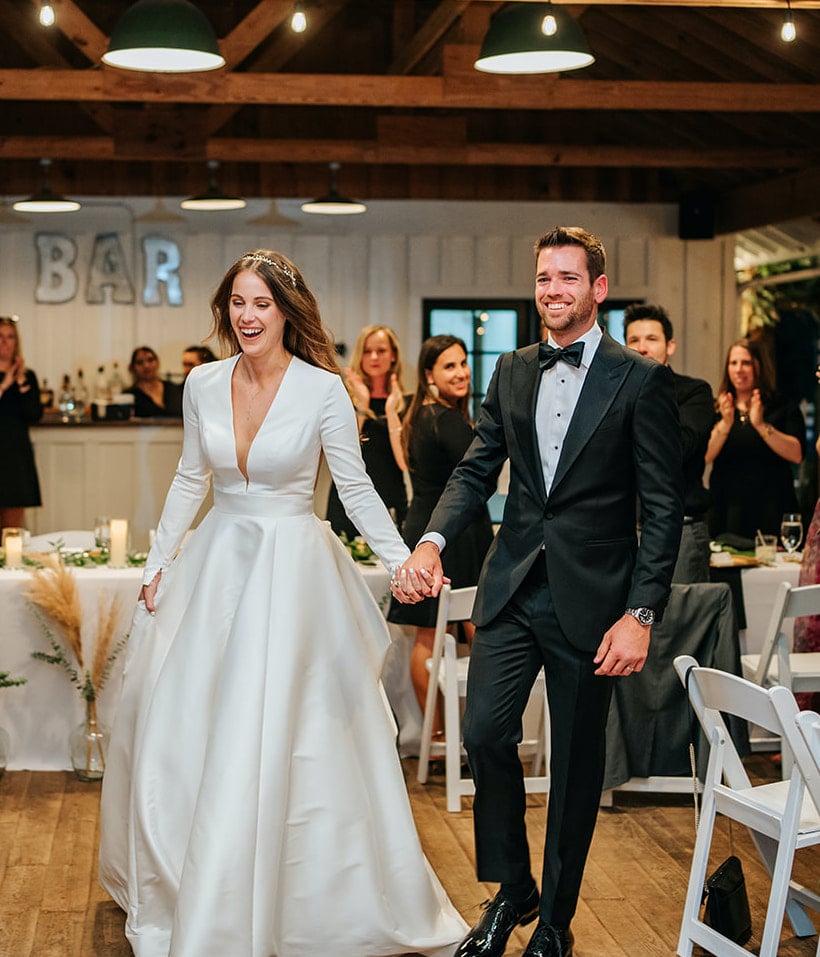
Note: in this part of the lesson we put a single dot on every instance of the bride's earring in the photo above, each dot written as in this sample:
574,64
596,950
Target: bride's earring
432,388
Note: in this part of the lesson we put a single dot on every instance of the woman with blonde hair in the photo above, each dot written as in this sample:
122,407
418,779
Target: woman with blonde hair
374,379
19,408
253,801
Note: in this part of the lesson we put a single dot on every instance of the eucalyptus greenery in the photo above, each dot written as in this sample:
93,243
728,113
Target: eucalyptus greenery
8,682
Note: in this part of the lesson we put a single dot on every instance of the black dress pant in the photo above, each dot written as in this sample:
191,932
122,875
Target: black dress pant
506,657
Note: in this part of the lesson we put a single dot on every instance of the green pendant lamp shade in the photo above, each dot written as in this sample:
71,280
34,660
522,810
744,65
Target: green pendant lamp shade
164,36
533,38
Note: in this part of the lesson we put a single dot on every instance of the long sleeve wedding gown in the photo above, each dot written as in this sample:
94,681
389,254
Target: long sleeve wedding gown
253,803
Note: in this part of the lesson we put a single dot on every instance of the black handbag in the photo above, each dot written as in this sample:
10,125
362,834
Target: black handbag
727,904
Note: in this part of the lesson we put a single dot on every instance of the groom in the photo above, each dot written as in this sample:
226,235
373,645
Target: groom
589,428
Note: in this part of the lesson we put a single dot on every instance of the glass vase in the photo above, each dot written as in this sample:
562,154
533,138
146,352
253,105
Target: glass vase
5,747
89,746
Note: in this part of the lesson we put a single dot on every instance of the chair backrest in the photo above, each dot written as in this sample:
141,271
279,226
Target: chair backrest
454,604
789,603
808,723
712,694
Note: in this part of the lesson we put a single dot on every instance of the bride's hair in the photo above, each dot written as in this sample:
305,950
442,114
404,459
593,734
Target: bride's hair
305,336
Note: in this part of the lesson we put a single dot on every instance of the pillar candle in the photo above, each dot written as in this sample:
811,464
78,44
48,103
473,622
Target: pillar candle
119,539
14,551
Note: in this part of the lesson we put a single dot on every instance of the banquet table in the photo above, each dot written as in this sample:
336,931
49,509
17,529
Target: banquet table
40,715
754,590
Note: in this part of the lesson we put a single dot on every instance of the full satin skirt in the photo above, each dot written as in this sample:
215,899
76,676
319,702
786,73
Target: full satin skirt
254,804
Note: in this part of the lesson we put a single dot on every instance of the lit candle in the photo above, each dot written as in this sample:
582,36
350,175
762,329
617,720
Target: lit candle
119,540
14,551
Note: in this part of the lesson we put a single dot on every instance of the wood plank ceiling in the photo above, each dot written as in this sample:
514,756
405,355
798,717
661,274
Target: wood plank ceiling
689,97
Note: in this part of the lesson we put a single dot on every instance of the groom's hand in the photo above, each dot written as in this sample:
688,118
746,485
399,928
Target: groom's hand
624,648
421,576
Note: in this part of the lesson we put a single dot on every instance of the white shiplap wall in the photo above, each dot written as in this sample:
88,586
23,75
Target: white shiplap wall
372,268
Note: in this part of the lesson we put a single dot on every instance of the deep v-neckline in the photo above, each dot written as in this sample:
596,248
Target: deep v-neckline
264,419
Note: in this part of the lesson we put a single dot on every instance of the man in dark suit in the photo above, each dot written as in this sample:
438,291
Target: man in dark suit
648,330
587,426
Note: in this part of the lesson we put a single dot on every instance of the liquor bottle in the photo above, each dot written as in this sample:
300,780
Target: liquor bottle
101,385
66,403
81,399
115,383
46,396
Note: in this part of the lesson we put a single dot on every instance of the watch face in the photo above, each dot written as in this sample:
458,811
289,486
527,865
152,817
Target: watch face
646,616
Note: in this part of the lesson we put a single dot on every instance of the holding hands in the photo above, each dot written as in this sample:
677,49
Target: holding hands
420,577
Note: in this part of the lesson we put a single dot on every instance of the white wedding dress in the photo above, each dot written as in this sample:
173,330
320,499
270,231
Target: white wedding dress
253,802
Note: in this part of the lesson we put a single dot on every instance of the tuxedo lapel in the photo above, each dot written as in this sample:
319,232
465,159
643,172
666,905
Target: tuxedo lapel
602,383
524,382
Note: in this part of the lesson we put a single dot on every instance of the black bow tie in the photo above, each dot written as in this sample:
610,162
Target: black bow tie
548,355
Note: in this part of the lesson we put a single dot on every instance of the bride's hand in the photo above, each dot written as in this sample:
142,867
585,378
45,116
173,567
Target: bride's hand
148,593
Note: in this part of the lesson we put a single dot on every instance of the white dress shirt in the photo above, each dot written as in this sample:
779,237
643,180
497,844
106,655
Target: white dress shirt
558,395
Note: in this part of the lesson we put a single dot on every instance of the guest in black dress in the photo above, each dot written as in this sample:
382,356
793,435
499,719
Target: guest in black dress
374,381
756,440
19,408
436,433
153,397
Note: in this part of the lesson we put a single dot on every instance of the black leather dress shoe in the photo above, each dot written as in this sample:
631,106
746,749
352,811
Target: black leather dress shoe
549,941
490,935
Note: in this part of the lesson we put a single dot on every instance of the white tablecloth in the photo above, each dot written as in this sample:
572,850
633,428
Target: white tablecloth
40,715
759,589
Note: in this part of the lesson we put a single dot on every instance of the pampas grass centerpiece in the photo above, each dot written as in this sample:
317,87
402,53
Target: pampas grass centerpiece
53,598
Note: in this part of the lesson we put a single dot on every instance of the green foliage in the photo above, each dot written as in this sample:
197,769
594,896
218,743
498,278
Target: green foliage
762,305
82,682
7,682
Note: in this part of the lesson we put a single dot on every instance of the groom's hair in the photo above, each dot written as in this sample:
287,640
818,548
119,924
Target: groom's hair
576,236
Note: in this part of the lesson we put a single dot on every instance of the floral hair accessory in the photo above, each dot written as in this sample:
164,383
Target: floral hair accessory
282,267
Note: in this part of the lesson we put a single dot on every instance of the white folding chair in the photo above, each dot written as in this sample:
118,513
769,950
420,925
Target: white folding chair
781,816
448,676
809,724
777,664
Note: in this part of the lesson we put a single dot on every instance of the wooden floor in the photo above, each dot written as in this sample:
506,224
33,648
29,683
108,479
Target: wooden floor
631,900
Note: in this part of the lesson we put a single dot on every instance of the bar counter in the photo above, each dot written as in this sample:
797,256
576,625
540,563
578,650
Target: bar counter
117,469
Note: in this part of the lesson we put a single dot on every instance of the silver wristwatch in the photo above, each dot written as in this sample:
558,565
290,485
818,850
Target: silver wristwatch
646,616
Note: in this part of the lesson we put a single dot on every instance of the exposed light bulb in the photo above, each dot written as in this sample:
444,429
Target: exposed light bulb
298,22
788,31
47,17
549,27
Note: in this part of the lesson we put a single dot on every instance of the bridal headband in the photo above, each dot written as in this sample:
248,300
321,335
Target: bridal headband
282,267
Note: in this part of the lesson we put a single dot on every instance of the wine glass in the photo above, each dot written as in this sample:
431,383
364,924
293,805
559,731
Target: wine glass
791,532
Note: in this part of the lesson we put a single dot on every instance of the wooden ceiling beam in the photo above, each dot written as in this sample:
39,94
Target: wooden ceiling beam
451,92
373,152
774,201
434,28
759,4
76,26
254,29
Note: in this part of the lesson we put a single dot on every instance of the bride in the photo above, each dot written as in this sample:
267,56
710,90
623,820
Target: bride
254,804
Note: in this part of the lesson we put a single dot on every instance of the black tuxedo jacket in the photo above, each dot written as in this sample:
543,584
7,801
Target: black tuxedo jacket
623,442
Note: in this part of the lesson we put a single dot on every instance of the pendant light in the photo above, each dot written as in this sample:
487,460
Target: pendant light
213,198
533,38
272,218
164,36
788,31
333,204
45,200
46,14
